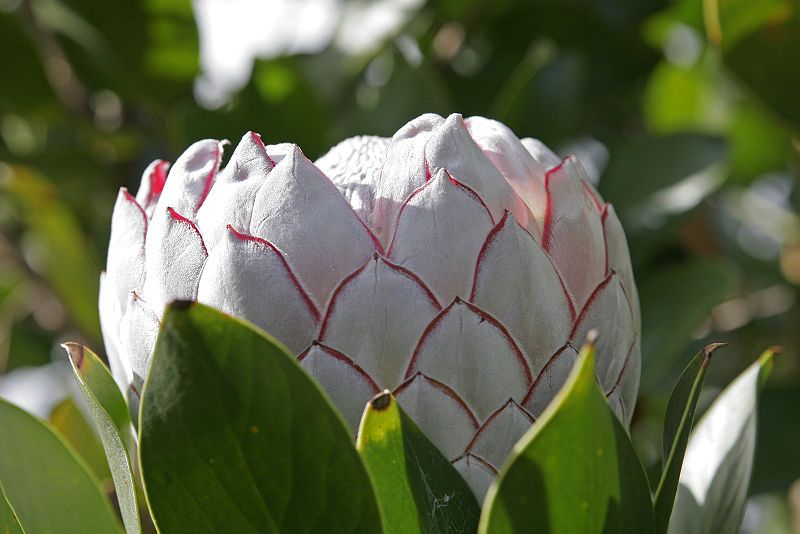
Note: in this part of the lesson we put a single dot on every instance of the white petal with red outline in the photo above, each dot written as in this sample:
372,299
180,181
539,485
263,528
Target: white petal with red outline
231,198
473,354
516,282
153,180
354,165
550,380
618,259
451,147
190,178
404,170
348,386
439,234
248,278
175,255
626,388
137,335
126,248
110,317
573,231
301,212
478,474
500,433
609,313
512,159
376,317
439,412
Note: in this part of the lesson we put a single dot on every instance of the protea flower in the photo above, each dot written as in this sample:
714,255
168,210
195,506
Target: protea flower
453,264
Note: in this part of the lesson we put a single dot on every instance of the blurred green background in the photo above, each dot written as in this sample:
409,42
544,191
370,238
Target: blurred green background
686,113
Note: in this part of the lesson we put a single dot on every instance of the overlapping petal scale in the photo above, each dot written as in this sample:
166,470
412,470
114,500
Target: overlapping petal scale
190,178
126,248
298,206
230,200
440,231
248,277
392,307
110,317
175,255
138,332
451,147
514,161
500,432
618,258
153,180
472,353
516,282
549,380
349,386
435,407
478,473
573,231
616,332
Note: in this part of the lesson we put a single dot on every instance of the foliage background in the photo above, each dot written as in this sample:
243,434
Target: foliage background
686,113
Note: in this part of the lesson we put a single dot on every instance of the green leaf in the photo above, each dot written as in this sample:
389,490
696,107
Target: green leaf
9,522
235,437
677,426
575,470
719,458
68,420
675,302
418,490
110,414
49,487
760,43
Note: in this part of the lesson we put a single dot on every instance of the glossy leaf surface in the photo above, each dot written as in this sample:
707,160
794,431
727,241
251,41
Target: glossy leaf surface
110,414
236,437
418,489
575,470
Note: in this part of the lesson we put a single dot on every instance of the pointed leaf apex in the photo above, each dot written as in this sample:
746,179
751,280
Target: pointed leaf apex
591,338
75,351
181,305
382,401
709,350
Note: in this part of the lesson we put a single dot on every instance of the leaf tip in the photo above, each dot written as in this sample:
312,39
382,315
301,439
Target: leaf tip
775,349
591,338
181,305
709,350
381,401
76,353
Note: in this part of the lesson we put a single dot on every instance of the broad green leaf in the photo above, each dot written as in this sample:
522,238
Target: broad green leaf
67,418
235,437
760,43
575,470
675,302
47,484
677,426
9,522
110,414
418,490
719,458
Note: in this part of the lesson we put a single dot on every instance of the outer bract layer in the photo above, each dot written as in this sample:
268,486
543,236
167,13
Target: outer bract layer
453,264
